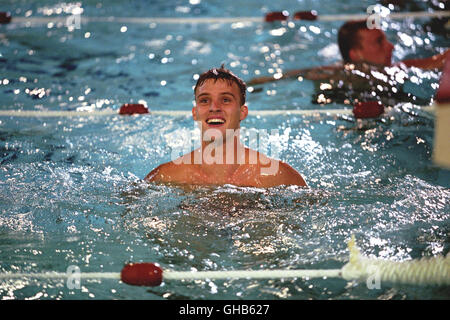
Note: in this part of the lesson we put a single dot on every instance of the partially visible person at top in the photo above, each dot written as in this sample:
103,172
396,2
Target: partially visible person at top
363,49
222,159
359,44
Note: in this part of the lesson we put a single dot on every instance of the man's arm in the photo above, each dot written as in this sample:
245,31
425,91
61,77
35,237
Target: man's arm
317,73
435,62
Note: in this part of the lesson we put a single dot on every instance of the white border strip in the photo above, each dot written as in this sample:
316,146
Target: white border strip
174,113
210,20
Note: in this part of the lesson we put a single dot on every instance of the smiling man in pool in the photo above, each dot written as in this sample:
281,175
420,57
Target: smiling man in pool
222,158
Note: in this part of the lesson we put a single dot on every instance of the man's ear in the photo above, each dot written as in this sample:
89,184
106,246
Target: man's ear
244,112
194,113
355,55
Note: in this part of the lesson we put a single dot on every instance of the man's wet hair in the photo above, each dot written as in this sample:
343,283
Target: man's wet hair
348,37
223,74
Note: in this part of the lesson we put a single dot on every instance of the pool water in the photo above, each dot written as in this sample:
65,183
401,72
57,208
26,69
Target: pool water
71,187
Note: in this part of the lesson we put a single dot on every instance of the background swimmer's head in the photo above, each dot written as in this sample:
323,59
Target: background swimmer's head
358,43
223,74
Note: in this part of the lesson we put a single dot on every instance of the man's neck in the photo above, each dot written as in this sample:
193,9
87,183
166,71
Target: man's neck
226,153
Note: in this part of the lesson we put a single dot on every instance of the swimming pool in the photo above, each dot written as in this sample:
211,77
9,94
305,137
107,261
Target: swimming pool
72,191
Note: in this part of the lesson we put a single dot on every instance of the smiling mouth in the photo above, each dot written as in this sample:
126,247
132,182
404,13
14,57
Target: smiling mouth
215,121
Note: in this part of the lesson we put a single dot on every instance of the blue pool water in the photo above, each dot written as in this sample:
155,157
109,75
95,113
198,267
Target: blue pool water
71,187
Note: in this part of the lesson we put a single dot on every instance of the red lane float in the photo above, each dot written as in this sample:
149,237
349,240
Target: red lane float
368,109
306,15
142,274
132,108
277,16
5,17
284,15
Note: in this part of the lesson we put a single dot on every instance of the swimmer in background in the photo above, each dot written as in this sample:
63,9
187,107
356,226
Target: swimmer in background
359,44
222,158
365,50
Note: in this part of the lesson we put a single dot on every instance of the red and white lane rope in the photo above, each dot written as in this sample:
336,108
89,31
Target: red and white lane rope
426,271
175,113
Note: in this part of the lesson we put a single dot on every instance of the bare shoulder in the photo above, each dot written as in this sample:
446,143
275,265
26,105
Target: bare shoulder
159,172
177,171
272,172
281,173
290,175
168,172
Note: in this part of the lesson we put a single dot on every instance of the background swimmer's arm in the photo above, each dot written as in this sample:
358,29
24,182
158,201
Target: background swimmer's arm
318,73
435,62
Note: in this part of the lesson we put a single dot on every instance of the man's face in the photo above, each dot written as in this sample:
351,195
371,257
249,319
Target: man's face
374,48
218,106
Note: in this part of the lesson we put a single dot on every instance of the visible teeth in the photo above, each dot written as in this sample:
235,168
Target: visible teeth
215,121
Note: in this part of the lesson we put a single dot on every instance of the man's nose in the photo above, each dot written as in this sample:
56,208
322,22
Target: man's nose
214,106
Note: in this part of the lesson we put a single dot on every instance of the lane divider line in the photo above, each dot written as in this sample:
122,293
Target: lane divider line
211,20
175,113
425,271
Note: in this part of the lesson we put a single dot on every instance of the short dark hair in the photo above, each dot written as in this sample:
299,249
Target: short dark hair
223,74
348,37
